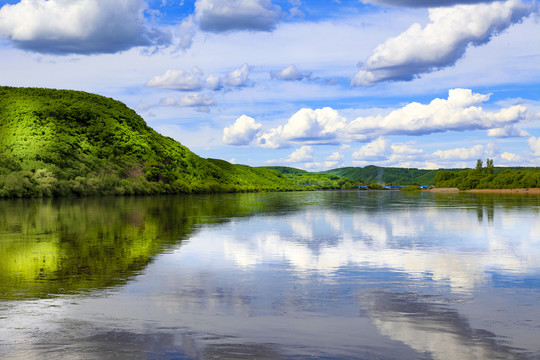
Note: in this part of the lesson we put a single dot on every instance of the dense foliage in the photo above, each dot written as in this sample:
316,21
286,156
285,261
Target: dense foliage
489,177
62,142
473,179
314,179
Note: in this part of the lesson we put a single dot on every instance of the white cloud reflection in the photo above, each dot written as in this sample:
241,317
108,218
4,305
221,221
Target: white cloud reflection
400,241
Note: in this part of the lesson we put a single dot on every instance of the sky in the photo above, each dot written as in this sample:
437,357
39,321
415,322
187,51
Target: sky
312,84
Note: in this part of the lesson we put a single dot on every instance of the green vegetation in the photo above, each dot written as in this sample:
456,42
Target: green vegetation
387,175
489,177
57,143
71,143
315,180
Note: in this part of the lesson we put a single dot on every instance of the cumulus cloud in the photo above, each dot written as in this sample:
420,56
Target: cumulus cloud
237,77
507,131
440,43
457,113
510,157
290,73
534,145
307,125
242,132
376,150
422,3
177,80
234,15
301,155
78,26
335,160
382,152
213,82
475,152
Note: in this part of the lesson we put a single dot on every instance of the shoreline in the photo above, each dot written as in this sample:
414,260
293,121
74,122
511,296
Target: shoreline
532,191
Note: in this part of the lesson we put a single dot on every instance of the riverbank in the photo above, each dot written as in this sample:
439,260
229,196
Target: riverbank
532,191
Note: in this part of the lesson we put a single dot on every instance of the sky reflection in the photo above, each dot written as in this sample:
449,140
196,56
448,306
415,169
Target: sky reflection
331,275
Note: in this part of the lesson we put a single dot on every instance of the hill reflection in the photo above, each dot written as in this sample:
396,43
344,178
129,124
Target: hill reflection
51,247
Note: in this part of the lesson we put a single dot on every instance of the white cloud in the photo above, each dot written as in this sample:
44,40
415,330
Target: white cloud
381,152
510,157
376,150
237,77
197,100
301,155
507,131
181,80
177,80
290,73
213,82
475,152
185,33
242,132
233,15
335,160
272,139
534,145
422,3
440,43
306,125
78,26
457,113
194,100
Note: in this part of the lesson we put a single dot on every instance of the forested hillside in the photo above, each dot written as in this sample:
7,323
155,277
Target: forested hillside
387,175
319,180
63,142
480,179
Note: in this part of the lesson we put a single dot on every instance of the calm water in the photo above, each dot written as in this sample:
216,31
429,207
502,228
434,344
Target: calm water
369,275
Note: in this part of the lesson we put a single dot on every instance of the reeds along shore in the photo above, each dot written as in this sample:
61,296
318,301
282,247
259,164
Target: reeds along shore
532,191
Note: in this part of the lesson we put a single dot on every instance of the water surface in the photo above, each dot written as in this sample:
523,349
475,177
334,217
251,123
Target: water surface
369,275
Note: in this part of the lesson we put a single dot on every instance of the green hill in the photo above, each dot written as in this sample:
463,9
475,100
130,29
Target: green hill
317,180
63,142
386,175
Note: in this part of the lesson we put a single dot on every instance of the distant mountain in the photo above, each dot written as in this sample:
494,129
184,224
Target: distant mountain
64,142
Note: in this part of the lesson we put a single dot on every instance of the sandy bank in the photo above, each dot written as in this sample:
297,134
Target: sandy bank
535,191
444,190
532,191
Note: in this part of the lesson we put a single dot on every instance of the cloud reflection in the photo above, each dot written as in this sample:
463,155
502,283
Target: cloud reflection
449,249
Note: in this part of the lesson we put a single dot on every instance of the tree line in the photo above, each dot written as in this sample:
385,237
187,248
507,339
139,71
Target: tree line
488,177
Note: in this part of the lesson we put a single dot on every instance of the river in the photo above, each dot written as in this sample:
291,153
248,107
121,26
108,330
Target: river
332,275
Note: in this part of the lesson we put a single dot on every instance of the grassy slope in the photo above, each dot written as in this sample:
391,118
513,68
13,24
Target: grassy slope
61,142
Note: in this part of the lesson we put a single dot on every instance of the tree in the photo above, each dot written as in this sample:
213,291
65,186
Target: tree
489,166
479,165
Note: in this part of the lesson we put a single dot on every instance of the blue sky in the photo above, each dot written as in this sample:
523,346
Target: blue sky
308,84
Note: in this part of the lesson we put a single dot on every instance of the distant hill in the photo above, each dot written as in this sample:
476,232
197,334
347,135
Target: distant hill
386,175
412,176
64,142
314,179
